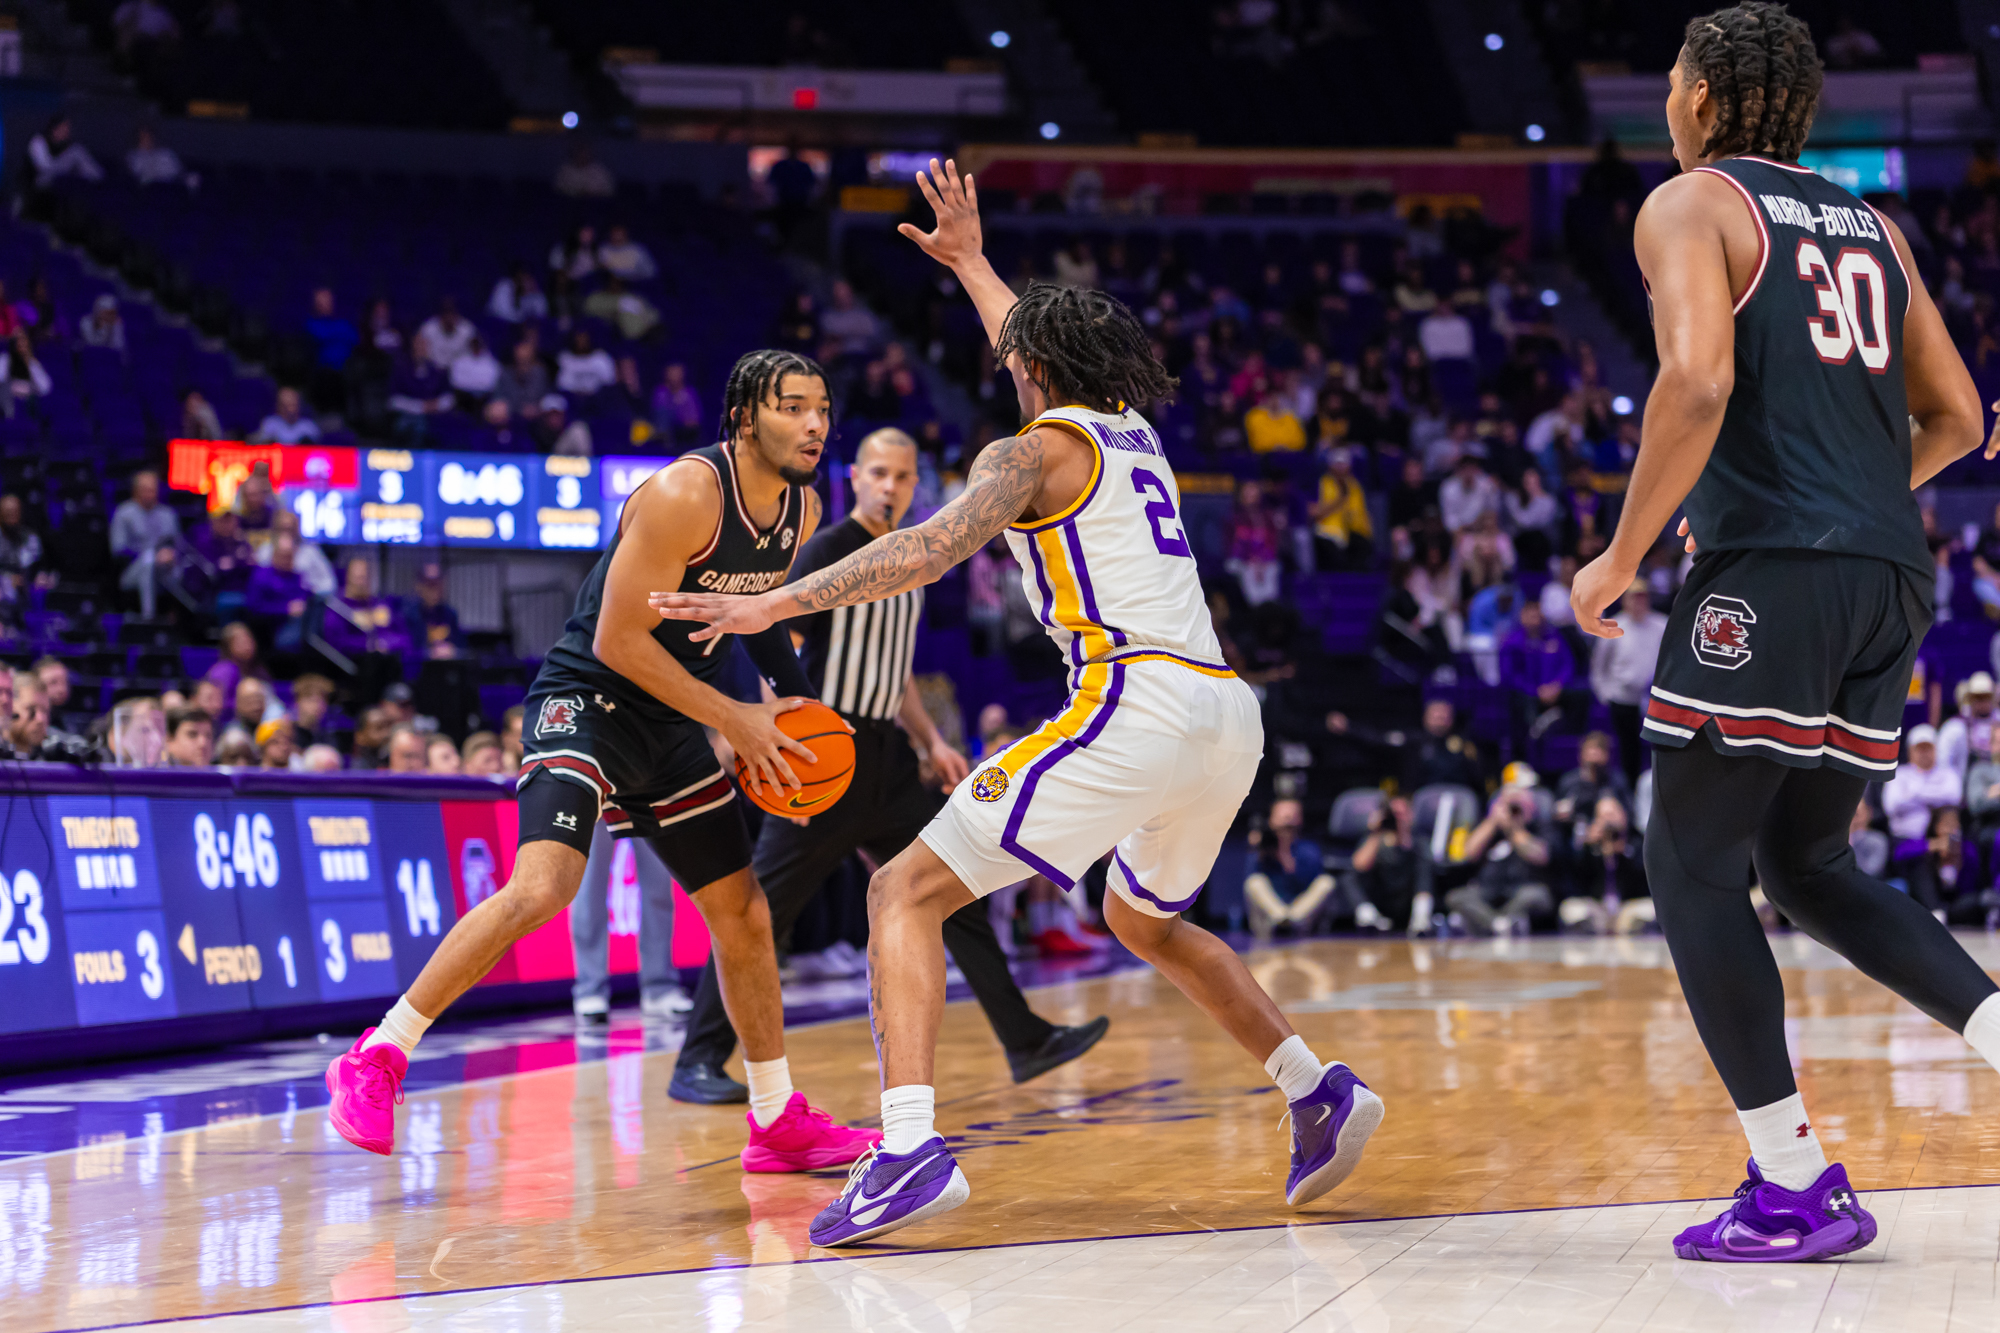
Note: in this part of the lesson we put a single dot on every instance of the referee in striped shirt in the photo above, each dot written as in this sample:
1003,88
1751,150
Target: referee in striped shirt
859,660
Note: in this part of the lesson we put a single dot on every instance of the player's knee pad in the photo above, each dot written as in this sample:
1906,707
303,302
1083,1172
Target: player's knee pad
556,809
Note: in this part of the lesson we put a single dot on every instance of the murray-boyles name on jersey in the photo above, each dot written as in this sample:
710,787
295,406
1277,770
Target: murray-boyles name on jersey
1814,449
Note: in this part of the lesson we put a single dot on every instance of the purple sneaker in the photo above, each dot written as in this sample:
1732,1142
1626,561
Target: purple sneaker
885,1191
1769,1224
1330,1126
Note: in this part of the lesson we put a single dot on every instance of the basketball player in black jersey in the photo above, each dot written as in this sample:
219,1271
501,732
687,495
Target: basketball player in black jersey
1806,386
613,729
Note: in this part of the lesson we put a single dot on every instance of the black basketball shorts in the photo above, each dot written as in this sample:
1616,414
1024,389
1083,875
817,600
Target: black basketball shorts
588,758
1802,657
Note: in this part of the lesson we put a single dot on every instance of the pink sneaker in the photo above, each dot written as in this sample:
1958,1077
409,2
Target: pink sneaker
367,1087
803,1139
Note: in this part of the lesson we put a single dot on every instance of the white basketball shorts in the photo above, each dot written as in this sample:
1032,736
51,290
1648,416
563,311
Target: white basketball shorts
1150,759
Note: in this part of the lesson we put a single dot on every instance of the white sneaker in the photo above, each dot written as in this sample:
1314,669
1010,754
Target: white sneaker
667,1004
1367,917
1420,914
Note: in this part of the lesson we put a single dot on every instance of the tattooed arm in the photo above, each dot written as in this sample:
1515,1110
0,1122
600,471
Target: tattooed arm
1005,479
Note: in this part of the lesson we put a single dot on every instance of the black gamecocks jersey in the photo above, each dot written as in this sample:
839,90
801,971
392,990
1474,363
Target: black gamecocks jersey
1814,452
740,558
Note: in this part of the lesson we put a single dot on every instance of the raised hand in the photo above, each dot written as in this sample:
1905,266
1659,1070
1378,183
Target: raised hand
723,613
957,238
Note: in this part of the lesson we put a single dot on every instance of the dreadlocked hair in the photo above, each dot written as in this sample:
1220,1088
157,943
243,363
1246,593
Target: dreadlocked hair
752,379
1082,346
1764,75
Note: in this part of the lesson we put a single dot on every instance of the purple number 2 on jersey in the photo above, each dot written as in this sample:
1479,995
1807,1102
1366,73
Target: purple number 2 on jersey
1167,532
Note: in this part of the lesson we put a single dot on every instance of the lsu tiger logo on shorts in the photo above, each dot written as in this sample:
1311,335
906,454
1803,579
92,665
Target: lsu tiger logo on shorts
989,784
1722,631
558,716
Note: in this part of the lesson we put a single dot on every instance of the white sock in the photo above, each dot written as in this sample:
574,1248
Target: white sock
1982,1030
909,1115
1294,1068
770,1088
1783,1144
402,1026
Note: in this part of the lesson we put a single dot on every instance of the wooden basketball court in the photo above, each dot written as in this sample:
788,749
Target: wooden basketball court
1550,1116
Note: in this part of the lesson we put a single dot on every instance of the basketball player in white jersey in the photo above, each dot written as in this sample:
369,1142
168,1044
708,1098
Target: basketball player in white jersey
1150,759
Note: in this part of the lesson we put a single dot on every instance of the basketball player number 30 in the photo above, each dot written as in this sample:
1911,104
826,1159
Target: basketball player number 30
1853,279
1167,532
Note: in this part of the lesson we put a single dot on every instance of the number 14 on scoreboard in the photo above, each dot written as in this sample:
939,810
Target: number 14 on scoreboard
420,901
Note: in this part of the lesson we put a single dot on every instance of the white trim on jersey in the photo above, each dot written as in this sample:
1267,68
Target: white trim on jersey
715,538
1782,166
1763,236
728,795
1796,719
600,784
1909,288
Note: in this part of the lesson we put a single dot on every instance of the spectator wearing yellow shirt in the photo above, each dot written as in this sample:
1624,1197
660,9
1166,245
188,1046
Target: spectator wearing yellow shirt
1343,533
1272,426
1332,425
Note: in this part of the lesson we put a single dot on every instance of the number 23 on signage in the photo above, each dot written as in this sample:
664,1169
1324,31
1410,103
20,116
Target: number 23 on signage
28,942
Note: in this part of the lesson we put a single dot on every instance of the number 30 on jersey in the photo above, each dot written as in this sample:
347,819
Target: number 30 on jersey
1853,305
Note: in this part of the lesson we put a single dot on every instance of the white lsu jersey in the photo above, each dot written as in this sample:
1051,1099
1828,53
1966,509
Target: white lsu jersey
1112,575
1159,742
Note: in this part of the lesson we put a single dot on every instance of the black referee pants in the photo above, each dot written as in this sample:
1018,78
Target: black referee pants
882,812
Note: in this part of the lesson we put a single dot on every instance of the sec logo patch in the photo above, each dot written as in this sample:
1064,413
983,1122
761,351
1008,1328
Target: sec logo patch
989,784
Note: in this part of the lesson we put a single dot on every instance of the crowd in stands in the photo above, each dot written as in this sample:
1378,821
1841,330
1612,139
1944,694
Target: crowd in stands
234,715
312,670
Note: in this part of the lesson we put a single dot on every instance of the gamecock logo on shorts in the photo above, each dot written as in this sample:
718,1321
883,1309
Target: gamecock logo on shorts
558,716
1722,632
989,784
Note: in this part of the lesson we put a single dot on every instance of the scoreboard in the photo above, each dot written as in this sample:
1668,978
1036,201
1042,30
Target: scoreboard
166,896
530,502
348,495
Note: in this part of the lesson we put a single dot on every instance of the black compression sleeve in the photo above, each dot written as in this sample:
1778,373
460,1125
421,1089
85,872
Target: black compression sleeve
771,651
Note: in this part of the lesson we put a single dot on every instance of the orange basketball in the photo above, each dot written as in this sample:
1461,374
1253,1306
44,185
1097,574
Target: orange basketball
820,730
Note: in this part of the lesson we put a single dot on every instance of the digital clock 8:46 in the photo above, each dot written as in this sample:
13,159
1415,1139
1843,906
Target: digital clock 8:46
246,855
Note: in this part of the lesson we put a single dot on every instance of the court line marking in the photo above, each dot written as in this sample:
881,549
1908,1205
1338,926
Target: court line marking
891,1253
320,1110
12,1158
